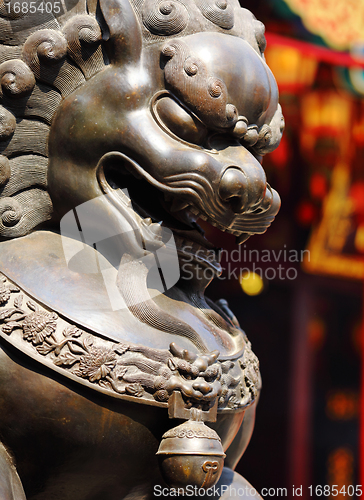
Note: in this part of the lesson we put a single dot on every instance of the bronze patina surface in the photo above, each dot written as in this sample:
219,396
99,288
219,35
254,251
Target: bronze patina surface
121,124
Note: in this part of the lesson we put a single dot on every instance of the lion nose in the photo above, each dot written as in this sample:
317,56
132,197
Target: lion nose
238,191
202,386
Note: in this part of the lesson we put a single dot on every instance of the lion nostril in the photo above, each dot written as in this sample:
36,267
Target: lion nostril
233,188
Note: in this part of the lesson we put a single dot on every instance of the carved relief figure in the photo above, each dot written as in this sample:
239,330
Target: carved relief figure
121,124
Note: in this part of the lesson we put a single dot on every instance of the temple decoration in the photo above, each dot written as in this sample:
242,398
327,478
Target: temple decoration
336,245
330,132
294,70
325,18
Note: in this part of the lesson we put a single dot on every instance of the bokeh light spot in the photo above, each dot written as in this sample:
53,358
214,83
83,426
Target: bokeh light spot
251,283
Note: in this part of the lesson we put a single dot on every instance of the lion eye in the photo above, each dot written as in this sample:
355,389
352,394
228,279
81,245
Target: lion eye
179,121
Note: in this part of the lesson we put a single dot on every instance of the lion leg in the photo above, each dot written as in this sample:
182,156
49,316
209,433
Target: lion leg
10,484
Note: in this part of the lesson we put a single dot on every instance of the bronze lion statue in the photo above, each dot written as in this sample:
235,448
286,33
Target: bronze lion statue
123,122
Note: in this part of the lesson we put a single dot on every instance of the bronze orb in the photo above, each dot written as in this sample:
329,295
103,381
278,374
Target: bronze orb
191,454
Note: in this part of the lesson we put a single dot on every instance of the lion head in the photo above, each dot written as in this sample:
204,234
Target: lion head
170,100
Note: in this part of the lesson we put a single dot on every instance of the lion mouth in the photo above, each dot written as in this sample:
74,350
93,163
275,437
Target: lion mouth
235,203
181,216
151,205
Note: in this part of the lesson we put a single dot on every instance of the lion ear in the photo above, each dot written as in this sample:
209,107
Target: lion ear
125,37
